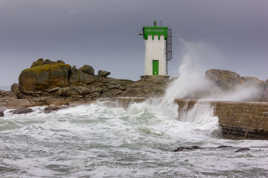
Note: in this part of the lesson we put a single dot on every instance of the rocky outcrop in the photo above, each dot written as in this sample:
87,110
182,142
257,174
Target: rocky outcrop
49,82
16,90
148,86
50,78
87,69
84,75
103,73
224,79
230,81
41,77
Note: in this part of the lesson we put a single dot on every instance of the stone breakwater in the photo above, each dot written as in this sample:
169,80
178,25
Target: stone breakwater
236,119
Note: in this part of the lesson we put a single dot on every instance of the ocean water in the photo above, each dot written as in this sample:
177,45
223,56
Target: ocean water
95,140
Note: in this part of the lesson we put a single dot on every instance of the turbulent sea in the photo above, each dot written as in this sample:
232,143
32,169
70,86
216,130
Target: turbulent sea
97,140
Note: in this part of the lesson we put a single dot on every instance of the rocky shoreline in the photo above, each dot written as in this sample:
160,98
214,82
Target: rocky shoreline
56,84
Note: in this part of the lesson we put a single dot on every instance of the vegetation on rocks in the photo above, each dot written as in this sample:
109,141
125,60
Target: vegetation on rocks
42,77
55,79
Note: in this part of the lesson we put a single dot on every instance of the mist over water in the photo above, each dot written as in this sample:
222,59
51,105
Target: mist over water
192,83
97,140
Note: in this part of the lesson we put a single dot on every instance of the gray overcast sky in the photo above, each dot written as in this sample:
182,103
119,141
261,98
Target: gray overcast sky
102,33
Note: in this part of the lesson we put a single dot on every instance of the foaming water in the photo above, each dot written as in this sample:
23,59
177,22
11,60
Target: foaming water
95,140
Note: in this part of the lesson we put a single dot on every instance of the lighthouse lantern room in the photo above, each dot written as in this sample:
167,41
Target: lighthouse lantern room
158,49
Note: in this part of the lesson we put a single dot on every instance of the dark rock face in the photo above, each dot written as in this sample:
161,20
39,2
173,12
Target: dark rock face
43,77
103,73
242,150
22,111
147,87
190,148
78,77
2,110
16,90
50,109
87,69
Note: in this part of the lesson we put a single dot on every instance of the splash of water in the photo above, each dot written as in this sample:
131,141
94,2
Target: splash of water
192,83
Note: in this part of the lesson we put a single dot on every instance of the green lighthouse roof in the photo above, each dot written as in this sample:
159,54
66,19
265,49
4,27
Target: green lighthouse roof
155,30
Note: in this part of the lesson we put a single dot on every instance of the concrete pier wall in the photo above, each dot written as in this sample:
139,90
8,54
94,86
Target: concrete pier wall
237,119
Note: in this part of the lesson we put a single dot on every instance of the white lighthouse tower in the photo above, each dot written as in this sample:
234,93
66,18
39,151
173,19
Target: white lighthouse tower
158,49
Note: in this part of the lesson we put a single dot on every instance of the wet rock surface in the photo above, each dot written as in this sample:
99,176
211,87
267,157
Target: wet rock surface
189,148
2,110
22,111
52,108
242,150
222,147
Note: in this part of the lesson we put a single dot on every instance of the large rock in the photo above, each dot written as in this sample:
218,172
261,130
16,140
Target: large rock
79,77
52,108
231,81
87,69
103,73
253,81
2,110
22,111
224,79
148,86
16,91
46,76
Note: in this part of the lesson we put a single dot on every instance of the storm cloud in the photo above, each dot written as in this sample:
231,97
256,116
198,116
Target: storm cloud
103,33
